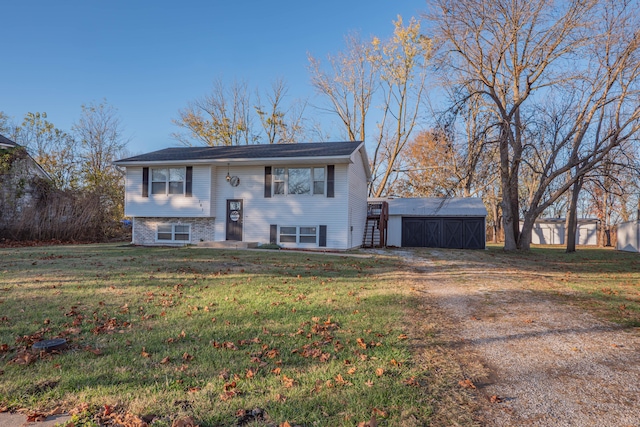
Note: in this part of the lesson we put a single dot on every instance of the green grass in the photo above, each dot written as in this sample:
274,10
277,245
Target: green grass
602,280
310,339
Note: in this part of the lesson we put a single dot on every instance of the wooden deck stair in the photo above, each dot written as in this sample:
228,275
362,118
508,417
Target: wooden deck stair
375,230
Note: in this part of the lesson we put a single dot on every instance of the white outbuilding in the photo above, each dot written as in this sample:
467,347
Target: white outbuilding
628,236
551,231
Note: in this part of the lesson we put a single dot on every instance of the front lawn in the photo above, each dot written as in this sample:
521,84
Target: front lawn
165,332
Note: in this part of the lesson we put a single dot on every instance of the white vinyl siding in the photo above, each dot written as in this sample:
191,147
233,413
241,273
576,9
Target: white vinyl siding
358,188
260,212
165,204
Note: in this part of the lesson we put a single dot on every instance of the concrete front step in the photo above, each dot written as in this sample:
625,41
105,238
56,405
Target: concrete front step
229,244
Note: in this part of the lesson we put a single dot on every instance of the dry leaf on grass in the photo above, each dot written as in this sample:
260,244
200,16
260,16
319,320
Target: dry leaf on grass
467,384
184,422
371,423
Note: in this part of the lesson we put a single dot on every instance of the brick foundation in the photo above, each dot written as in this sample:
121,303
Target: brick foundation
144,230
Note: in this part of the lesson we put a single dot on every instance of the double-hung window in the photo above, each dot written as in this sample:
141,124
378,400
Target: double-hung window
298,235
298,181
174,233
167,180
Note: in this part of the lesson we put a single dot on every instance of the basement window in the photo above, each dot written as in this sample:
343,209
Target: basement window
173,233
298,234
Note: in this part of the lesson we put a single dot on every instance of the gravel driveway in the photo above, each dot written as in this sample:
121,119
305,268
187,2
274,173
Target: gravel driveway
544,362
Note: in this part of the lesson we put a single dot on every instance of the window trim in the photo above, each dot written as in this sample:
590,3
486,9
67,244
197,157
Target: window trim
173,233
312,181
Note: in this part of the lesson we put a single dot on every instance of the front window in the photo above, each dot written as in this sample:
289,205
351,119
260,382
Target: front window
298,181
278,181
167,180
318,180
288,234
173,233
298,234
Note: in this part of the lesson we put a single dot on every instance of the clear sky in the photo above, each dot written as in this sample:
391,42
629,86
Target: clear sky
148,59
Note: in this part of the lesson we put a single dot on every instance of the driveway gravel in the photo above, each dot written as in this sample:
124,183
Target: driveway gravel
546,362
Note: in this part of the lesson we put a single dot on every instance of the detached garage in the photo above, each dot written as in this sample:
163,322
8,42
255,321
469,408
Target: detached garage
435,222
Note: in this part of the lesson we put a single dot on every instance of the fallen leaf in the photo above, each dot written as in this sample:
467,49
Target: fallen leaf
495,399
380,413
402,337
184,422
379,372
467,384
36,417
288,382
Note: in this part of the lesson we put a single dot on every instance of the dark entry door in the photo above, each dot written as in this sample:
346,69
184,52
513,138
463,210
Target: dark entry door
234,219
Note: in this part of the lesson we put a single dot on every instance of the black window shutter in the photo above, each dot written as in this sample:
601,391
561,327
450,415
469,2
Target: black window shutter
322,241
273,234
188,184
267,181
331,173
145,182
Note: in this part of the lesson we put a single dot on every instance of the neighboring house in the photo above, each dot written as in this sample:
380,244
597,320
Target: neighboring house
628,236
551,231
18,171
308,195
436,222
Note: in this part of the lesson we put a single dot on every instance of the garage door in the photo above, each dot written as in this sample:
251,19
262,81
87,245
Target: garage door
434,232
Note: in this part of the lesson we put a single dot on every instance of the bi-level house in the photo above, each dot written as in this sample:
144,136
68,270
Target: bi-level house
307,195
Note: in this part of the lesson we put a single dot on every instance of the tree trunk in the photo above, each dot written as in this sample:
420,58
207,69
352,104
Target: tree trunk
572,216
509,209
496,221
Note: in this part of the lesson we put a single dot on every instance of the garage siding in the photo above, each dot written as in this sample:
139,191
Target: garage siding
439,232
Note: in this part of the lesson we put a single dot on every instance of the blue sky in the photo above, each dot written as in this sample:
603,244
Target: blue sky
148,59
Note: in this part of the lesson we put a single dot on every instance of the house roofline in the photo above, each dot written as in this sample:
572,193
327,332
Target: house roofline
245,161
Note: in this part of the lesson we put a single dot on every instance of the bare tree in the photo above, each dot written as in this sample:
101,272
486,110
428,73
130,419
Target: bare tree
220,118
521,54
55,150
392,72
280,125
348,86
100,133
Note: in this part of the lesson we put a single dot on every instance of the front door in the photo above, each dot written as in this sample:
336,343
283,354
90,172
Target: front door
234,220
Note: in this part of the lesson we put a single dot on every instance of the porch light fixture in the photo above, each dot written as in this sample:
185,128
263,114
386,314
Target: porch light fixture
228,176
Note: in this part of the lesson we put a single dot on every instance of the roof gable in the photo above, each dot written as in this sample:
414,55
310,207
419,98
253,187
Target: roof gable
6,142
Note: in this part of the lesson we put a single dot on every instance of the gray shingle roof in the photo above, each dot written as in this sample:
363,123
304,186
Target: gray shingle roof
7,142
247,152
437,206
